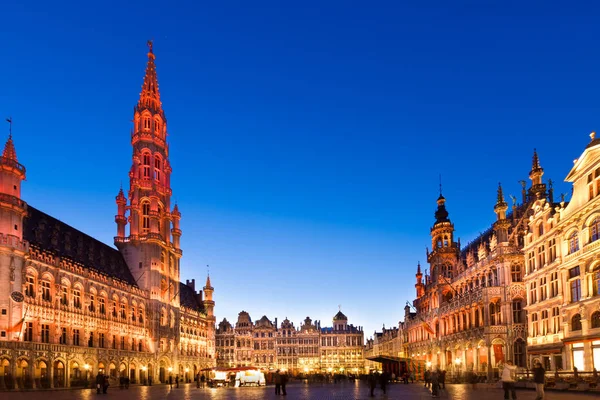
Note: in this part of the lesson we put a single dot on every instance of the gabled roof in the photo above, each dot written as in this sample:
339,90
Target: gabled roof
56,237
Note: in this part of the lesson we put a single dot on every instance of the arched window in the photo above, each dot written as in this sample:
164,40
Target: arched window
573,243
516,274
146,123
541,229
146,165
145,217
595,230
157,165
156,126
576,322
445,241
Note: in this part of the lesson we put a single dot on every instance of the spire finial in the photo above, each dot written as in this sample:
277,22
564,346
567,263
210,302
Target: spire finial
9,120
339,307
440,185
536,160
593,136
418,267
150,46
500,194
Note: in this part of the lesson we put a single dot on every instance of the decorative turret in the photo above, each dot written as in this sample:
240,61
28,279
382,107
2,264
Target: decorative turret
209,304
538,189
120,218
419,284
176,231
13,209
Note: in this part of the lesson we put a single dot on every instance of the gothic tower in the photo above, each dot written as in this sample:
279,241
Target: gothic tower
151,249
443,258
419,285
12,246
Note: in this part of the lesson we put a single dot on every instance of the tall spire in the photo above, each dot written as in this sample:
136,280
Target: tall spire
9,152
535,161
150,96
500,199
538,189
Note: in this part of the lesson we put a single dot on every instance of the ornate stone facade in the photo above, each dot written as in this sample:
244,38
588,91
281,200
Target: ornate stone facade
469,311
563,272
72,306
310,349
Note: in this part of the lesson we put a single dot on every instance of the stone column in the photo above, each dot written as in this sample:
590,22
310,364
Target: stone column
489,364
51,371
31,368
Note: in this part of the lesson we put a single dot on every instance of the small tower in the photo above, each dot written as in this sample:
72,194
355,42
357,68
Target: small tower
176,231
12,246
419,284
120,218
538,189
209,304
444,256
340,321
502,224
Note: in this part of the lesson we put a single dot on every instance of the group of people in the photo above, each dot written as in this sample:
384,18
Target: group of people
102,383
435,380
280,380
381,378
508,379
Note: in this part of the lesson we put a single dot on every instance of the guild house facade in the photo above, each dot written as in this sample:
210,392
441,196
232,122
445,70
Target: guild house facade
71,306
309,349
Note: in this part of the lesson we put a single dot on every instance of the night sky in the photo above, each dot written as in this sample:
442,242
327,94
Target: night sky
306,139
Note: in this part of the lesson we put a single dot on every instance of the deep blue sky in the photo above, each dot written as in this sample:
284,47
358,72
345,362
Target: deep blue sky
306,140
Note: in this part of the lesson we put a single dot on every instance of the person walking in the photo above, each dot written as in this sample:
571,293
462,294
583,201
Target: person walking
277,380
508,380
99,382
383,379
372,383
435,383
177,381
284,379
442,379
539,377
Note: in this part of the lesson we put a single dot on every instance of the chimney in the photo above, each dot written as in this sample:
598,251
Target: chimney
199,295
191,284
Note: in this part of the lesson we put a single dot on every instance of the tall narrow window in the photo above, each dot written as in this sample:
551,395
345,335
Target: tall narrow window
573,243
515,272
75,337
595,230
145,217
64,299
519,352
576,322
91,340
146,123
541,257
30,286
101,340
45,333
495,312
46,291
575,284
157,168
555,320
63,336
533,293
554,284
534,324
543,289
102,302
596,281
551,250
77,298
28,332
146,165
531,262
545,330
123,313
92,303
517,310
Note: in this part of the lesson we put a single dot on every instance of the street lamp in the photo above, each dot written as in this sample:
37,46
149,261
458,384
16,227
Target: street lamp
458,361
87,371
144,371
428,364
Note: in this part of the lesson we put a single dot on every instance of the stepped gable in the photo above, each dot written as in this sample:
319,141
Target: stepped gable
48,234
189,298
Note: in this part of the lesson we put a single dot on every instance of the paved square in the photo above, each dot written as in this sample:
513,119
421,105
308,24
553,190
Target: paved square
340,391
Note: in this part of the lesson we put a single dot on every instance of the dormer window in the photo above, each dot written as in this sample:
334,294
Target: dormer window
593,181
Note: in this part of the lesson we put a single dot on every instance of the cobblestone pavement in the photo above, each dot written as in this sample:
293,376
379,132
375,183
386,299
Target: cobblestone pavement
340,391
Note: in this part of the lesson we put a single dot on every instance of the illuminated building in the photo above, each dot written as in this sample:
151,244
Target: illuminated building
310,349
563,271
72,306
469,311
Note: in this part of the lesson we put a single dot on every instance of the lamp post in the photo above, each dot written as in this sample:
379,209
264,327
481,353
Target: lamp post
87,371
187,377
457,361
144,368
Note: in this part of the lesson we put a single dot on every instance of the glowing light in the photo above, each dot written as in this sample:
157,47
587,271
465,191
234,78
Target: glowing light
428,363
170,369
457,361
187,370
86,366
144,368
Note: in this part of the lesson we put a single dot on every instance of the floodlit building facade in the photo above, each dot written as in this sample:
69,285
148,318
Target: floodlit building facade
469,311
72,307
563,272
309,349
